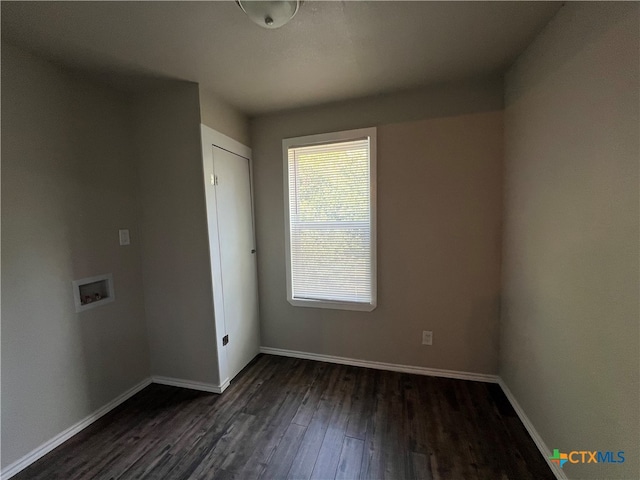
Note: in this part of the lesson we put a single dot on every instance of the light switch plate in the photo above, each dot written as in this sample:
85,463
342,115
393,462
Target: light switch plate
124,237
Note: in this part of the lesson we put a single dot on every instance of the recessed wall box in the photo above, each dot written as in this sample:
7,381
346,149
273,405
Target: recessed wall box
93,292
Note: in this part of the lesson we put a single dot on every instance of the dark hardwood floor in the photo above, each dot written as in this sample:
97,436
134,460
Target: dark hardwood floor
299,419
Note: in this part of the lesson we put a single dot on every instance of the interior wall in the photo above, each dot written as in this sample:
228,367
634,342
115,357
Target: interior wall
175,247
222,117
439,213
68,184
570,329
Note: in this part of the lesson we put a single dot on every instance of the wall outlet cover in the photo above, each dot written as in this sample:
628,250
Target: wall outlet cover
124,237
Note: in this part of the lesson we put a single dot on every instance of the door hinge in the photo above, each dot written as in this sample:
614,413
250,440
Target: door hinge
225,340
214,179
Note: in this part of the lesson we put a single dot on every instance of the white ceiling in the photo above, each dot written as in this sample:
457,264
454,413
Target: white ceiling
330,51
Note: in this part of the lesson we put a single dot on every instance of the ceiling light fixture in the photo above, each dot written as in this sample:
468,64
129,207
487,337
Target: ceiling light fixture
269,14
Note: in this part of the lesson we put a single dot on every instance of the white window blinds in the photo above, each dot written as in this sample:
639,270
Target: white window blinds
330,222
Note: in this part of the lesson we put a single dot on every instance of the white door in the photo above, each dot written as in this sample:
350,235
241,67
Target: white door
237,258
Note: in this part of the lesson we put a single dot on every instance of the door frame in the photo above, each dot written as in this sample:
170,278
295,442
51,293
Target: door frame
212,138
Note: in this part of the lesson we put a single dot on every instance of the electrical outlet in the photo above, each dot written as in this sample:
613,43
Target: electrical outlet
427,337
124,237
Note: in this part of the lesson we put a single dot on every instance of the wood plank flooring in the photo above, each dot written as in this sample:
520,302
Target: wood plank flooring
286,418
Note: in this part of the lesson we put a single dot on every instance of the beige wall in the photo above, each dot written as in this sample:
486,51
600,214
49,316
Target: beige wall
175,248
439,214
68,184
222,117
570,325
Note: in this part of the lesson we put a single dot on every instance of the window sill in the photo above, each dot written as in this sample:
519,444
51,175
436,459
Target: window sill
362,307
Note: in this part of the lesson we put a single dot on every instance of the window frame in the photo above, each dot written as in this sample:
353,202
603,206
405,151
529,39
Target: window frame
328,138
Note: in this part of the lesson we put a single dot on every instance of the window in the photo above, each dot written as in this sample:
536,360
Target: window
330,220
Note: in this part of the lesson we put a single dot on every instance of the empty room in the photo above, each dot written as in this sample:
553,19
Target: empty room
320,239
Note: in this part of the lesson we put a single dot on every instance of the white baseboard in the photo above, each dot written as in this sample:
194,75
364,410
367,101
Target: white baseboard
62,437
224,385
434,372
178,382
544,450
